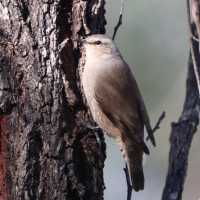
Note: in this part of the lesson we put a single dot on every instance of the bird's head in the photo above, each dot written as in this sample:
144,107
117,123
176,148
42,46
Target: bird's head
98,46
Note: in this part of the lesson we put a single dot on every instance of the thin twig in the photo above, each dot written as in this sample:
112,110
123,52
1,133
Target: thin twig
191,46
195,15
194,38
129,186
157,126
120,20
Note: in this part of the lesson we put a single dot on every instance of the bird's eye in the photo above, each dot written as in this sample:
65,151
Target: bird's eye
98,42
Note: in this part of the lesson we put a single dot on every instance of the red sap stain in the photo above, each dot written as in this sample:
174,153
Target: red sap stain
3,132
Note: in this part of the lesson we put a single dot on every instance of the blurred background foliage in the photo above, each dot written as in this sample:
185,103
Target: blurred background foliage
153,41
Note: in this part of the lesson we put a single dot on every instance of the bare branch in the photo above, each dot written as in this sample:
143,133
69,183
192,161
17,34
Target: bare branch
129,186
191,36
195,14
157,126
120,19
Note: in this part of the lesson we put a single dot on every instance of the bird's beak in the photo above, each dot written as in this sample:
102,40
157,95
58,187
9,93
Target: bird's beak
82,41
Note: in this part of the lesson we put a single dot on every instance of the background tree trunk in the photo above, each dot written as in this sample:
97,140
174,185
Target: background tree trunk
45,152
182,133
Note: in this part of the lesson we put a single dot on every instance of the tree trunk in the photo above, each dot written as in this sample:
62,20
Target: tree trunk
182,134
45,151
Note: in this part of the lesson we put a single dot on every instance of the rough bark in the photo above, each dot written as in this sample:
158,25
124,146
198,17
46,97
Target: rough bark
182,134
45,152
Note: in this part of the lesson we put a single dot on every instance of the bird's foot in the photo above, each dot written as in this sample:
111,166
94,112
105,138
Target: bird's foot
88,125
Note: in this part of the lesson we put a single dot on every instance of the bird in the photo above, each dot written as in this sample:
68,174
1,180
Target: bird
116,103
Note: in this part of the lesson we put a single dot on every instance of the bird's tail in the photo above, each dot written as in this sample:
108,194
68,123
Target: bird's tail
133,156
134,162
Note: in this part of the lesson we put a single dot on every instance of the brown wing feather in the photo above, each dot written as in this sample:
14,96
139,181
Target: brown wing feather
119,102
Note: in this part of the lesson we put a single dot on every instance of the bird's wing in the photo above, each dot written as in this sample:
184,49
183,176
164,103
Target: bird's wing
117,95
